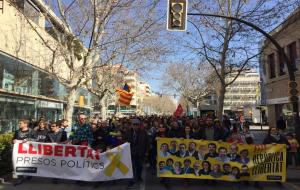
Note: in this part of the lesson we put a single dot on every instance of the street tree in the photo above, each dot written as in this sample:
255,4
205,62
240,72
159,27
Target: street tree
230,47
88,35
162,105
190,80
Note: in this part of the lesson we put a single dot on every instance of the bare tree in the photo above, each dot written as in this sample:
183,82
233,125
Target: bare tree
228,46
163,105
189,80
90,34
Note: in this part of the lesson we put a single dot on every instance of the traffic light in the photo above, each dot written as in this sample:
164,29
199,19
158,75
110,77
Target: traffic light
177,15
293,92
81,101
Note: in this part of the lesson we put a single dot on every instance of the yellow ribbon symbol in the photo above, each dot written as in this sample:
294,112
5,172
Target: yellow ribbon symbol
115,162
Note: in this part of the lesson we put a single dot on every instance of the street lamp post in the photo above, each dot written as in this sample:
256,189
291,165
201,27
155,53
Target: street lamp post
292,78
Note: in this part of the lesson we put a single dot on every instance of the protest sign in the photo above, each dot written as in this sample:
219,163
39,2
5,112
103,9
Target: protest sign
71,161
200,159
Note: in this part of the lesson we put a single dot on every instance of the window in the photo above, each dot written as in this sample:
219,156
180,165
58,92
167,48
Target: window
271,60
292,49
281,64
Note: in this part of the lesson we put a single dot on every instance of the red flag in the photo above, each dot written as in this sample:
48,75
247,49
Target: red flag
178,111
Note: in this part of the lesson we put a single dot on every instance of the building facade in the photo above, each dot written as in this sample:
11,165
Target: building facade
274,71
27,90
208,106
243,92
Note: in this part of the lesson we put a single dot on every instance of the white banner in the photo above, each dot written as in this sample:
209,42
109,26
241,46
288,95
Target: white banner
71,161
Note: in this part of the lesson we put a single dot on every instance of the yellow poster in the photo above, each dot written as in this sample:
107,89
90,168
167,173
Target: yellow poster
200,159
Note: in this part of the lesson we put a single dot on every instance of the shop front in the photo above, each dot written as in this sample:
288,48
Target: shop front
12,109
51,111
280,107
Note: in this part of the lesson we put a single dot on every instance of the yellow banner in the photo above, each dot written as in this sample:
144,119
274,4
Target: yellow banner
200,159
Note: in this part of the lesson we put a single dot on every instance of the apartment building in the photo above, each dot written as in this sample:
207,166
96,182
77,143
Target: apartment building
275,91
244,91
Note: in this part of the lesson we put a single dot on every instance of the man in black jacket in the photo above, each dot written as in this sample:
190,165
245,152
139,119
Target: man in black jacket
280,124
100,136
56,135
176,131
138,140
24,134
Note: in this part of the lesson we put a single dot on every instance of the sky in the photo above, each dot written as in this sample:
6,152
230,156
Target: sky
155,77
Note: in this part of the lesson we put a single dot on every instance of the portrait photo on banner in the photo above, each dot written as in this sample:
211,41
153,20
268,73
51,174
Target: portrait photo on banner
201,159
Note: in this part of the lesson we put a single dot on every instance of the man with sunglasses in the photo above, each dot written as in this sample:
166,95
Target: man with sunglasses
138,140
56,135
82,134
100,136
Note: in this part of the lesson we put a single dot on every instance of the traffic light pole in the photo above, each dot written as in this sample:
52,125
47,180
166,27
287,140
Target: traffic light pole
292,78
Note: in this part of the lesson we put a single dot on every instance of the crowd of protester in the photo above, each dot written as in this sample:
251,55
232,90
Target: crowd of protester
142,133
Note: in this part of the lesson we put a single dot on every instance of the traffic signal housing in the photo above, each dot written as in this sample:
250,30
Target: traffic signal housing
293,92
177,15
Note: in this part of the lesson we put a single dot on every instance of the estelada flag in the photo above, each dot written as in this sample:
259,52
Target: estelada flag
178,111
125,96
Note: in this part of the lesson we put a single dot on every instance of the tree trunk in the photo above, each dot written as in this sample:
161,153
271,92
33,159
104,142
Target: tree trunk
221,98
70,106
103,108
